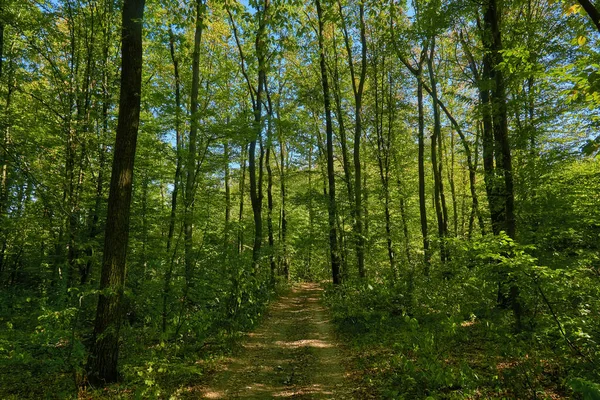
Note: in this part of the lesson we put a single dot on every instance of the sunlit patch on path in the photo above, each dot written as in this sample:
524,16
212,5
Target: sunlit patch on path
292,355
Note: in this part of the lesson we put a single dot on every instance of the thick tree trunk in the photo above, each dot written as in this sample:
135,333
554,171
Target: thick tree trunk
492,42
102,364
490,177
332,209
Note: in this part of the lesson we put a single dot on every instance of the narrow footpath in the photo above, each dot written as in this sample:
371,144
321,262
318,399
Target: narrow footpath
293,354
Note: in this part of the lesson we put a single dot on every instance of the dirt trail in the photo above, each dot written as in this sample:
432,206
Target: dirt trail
293,354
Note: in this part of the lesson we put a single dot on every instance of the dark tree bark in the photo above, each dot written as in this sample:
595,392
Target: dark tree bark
358,84
94,230
493,44
103,359
405,230
492,41
256,96
285,261
384,137
3,157
1,40
176,180
271,238
490,175
226,155
417,73
332,209
311,209
337,96
436,161
422,200
348,179
592,11
240,238
190,167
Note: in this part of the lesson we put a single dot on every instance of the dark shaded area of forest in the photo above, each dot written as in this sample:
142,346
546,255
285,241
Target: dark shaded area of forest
169,169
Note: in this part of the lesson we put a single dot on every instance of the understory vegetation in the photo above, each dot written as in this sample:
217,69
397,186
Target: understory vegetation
444,337
169,168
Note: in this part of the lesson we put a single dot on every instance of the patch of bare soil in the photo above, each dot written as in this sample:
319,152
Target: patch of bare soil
293,354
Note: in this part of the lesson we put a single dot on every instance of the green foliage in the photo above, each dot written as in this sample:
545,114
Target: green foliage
589,390
450,333
433,338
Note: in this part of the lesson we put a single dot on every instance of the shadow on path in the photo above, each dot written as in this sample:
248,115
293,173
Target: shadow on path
293,354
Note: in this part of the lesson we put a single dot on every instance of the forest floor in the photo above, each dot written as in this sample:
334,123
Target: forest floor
292,354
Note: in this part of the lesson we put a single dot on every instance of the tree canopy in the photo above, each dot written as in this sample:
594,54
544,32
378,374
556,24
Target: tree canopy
168,168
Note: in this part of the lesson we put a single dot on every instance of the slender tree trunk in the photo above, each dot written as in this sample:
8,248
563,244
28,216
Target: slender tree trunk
4,156
405,229
106,103
144,200
383,152
311,210
358,84
190,167
240,238
487,136
176,180
358,184
256,189
1,41
282,181
472,166
256,95
332,209
102,363
337,96
436,147
422,200
450,173
227,156
365,201
270,209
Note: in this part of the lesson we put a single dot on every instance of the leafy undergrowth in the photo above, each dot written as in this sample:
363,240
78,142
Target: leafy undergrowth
449,340
165,369
43,349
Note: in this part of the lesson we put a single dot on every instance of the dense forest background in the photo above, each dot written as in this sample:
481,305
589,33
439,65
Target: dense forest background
437,161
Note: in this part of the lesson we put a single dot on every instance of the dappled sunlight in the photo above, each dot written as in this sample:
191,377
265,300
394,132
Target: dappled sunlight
305,343
293,354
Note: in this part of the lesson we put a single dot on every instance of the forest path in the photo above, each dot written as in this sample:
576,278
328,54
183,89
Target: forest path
293,354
